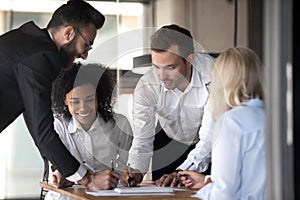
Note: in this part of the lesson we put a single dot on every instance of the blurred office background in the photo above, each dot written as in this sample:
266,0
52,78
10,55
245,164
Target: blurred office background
266,26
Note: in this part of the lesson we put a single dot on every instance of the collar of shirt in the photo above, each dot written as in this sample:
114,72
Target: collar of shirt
195,82
254,103
50,35
74,125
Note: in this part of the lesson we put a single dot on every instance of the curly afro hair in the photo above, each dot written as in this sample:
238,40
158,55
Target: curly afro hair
97,75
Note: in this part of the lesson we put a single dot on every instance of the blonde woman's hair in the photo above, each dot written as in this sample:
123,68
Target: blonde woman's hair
237,76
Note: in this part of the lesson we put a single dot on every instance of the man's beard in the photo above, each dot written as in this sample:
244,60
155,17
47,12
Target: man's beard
67,52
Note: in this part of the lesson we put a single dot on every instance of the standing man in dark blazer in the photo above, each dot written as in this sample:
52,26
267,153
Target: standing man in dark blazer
30,59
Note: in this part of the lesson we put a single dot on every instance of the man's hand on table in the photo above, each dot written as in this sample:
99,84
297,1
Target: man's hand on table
130,177
101,180
59,181
168,180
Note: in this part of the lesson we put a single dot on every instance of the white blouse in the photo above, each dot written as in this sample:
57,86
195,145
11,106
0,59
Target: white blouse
100,144
238,155
97,146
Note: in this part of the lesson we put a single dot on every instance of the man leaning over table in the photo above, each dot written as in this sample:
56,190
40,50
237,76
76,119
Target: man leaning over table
176,90
30,59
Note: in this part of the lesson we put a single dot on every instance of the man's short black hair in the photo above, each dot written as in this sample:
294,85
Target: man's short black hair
77,13
170,35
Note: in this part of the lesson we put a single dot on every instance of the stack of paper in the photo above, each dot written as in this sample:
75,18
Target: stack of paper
133,191
144,189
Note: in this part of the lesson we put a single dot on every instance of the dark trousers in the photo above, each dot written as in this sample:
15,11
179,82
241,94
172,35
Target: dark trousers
168,154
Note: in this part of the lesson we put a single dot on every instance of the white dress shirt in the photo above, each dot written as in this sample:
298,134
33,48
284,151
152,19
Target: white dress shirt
238,155
179,113
199,158
97,146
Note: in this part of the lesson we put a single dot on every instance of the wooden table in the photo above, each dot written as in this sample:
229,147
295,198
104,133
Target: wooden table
80,194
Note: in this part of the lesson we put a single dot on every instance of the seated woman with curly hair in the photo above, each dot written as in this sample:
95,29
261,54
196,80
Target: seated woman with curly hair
87,125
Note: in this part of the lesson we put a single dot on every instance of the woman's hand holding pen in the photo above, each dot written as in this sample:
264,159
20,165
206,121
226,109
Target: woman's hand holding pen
192,179
130,177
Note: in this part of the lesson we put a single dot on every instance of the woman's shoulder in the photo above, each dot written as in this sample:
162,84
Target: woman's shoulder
252,108
60,124
121,120
122,123
247,118
120,117
59,119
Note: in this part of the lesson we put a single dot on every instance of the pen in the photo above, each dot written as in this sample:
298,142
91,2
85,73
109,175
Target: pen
112,165
128,169
189,166
88,167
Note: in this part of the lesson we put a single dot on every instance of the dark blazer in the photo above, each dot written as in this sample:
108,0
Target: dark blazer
29,62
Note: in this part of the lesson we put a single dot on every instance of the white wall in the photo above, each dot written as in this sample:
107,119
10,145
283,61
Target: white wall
211,22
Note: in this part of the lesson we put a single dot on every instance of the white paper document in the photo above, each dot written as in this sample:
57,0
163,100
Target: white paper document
144,189
134,191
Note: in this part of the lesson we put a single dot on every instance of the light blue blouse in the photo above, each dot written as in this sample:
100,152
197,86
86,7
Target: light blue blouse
238,155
